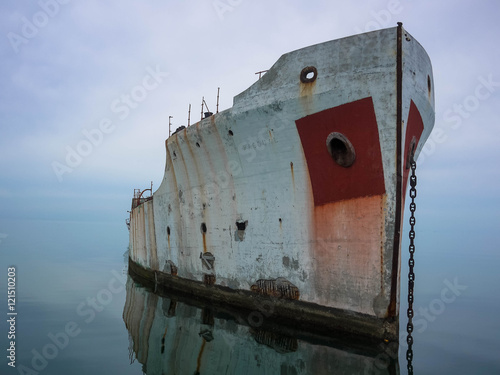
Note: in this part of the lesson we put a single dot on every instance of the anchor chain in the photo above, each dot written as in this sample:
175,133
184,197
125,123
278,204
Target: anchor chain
411,264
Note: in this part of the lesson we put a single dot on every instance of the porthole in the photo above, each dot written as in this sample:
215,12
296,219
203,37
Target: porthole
340,149
429,86
230,132
308,74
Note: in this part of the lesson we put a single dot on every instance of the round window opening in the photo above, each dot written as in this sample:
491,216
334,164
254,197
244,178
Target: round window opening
308,74
340,149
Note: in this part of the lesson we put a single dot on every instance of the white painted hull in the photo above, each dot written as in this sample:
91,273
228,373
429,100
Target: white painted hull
255,187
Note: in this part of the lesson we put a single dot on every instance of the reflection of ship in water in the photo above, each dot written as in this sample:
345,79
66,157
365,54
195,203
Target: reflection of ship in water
173,335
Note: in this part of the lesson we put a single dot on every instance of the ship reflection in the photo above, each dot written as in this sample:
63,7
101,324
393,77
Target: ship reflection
170,334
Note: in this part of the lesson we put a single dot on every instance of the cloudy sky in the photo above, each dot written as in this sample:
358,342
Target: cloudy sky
87,88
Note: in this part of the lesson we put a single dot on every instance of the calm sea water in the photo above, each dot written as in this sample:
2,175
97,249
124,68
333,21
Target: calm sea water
78,313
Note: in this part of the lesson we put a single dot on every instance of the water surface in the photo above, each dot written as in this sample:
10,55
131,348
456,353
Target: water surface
72,274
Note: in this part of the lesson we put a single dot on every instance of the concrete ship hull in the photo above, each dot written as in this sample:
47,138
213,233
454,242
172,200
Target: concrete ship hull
297,191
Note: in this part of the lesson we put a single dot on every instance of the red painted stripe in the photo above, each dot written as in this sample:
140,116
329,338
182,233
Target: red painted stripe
331,182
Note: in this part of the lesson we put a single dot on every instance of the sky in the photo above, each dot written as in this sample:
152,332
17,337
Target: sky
87,89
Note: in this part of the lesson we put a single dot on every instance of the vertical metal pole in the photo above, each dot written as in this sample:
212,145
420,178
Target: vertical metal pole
170,126
202,100
399,173
218,91
189,115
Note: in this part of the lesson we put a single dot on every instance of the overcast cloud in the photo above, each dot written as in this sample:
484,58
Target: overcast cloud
68,67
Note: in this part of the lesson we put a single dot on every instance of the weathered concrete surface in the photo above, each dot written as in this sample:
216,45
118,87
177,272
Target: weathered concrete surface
253,187
309,316
143,236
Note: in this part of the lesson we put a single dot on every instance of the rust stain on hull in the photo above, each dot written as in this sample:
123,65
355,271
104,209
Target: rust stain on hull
306,93
200,355
280,343
347,251
204,242
280,288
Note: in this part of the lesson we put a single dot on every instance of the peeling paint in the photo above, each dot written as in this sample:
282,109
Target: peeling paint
279,342
293,263
280,288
